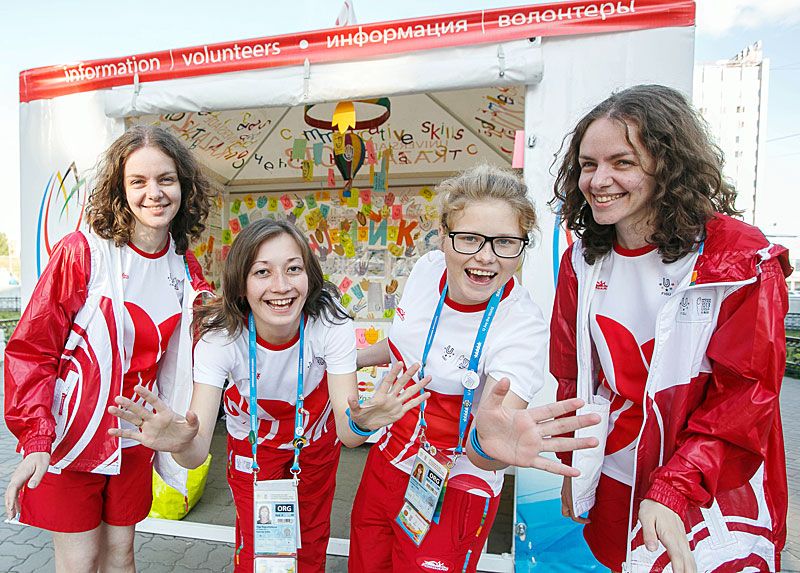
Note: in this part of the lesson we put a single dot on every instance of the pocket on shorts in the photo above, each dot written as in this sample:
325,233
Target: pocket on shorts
468,517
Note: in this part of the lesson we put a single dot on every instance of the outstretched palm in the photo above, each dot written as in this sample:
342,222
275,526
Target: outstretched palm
518,437
161,429
393,398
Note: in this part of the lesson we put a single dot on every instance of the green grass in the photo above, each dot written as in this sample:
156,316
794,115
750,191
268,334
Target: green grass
9,314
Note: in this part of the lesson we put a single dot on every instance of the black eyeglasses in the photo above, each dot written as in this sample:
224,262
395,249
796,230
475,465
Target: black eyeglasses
503,247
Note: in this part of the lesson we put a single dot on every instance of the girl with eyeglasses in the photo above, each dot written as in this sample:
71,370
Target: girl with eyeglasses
477,333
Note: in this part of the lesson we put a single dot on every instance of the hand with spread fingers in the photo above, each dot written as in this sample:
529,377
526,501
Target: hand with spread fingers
160,429
517,436
29,473
393,398
661,524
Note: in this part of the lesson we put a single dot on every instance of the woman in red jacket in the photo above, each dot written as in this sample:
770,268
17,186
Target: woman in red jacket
669,315
111,310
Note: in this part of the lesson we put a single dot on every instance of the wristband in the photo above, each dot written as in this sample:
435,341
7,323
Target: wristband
476,446
356,429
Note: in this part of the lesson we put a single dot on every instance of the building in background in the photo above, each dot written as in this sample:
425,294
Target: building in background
732,96
791,242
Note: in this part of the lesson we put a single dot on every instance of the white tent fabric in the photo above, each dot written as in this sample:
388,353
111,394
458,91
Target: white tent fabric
518,62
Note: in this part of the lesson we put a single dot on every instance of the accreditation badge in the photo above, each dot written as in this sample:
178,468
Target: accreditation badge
425,488
276,526
275,565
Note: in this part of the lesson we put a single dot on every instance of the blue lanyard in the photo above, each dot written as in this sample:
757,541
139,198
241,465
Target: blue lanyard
474,359
299,439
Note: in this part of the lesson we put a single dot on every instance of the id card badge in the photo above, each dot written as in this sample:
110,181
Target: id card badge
276,521
425,487
275,565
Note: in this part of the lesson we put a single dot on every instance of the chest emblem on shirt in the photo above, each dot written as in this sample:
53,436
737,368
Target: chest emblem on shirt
696,308
601,285
667,286
176,283
449,352
463,362
400,312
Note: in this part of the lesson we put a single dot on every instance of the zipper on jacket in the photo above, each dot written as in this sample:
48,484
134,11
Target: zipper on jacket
648,383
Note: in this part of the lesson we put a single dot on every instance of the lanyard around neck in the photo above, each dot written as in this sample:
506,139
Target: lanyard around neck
299,439
471,379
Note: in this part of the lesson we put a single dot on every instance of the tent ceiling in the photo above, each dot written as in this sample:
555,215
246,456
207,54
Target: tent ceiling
430,134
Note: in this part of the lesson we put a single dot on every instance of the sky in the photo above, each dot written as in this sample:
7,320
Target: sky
43,33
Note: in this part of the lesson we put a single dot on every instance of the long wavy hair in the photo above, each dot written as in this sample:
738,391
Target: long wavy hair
689,185
108,213
229,312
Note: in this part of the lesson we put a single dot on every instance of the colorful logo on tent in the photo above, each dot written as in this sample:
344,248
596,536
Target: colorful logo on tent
61,211
350,160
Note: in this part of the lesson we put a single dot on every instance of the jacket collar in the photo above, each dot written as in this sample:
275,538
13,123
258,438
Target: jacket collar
733,251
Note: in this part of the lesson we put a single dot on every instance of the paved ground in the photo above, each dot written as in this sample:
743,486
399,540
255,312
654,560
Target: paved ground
28,550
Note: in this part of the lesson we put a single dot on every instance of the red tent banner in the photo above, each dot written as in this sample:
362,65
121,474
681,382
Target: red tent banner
358,42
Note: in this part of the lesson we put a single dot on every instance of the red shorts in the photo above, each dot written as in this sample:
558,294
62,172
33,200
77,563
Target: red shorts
318,463
377,543
74,502
607,534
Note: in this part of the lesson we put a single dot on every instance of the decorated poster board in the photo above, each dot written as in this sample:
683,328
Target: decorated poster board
367,244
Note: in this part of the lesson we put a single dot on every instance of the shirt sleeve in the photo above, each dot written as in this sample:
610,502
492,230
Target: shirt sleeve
214,358
519,347
340,347
33,353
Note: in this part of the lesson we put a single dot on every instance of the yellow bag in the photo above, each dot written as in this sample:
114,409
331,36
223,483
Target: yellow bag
169,503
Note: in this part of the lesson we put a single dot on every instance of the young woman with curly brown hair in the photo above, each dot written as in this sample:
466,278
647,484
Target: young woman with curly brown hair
112,309
669,315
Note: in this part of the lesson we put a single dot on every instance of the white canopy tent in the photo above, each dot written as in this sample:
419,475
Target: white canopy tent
559,59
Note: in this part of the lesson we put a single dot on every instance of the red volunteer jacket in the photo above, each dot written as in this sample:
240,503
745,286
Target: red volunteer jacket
63,364
711,446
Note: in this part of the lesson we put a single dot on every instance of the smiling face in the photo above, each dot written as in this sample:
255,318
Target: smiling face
472,279
153,192
263,514
277,288
615,180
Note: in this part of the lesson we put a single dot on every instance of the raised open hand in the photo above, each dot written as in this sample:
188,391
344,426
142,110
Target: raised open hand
160,429
518,436
391,400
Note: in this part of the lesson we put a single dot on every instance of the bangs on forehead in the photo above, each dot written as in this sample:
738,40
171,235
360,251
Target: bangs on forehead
274,237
